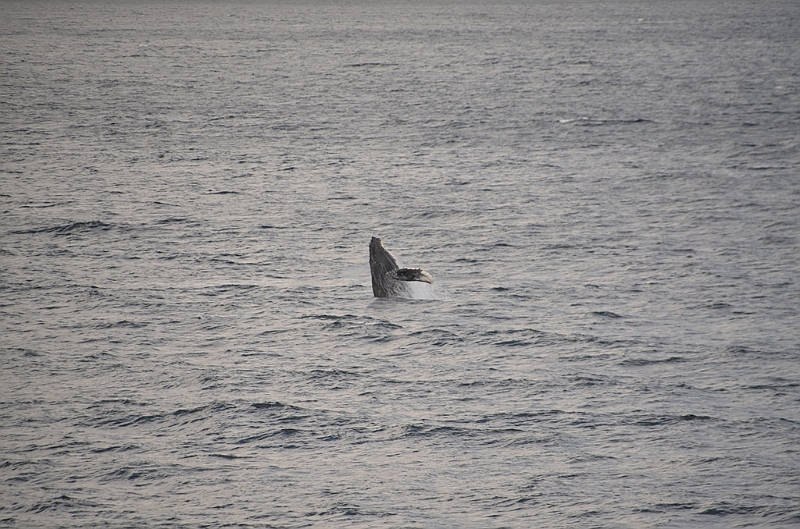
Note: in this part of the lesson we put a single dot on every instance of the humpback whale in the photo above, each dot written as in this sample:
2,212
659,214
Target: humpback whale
388,279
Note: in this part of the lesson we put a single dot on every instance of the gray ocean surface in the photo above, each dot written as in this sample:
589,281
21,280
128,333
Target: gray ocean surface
606,193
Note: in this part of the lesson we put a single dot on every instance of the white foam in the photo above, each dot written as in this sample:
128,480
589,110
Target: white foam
420,290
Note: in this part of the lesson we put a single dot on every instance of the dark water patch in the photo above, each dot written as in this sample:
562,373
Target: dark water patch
329,317
347,513
421,431
227,456
664,420
268,332
235,286
500,383
293,418
606,314
718,306
229,288
81,227
726,509
172,220
121,400
529,419
779,385
666,507
742,350
514,343
182,412
558,246
280,412
593,122
353,322
122,324
61,503
128,420
143,472
28,353
275,405
99,356
277,435
43,206
369,65
516,503
787,241
66,229
435,337
332,373
115,448
588,381
693,417
22,465
515,337
639,362
494,246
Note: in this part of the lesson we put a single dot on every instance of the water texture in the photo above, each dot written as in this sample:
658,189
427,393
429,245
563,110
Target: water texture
607,193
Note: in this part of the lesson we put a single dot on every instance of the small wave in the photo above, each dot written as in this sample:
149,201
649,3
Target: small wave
662,420
226,456
61,503
66,229
188,411
606,314
369,65
651,361
272,434
515,337
588,381
350,321
42,206
275,405
415,430
725,509
114,448
591,122
437,337
120,324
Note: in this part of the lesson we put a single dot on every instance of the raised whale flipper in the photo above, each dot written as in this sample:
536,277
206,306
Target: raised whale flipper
387,277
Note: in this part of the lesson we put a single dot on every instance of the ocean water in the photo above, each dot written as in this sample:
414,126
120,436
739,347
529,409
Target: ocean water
606,193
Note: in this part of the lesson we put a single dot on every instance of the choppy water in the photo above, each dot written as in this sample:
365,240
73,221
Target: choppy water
607,193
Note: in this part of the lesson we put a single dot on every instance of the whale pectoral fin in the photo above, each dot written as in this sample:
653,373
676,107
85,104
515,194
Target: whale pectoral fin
413,274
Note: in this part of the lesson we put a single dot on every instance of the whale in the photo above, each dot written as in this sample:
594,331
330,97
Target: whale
388,279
